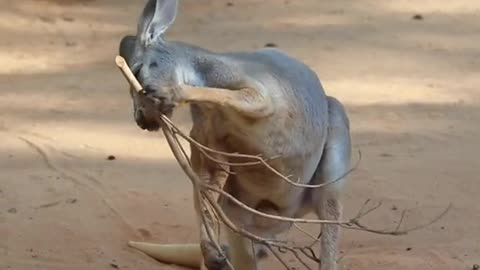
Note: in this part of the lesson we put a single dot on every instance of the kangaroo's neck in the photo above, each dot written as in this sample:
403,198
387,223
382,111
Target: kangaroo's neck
199,67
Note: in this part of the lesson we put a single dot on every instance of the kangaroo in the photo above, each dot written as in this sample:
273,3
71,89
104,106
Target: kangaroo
261,102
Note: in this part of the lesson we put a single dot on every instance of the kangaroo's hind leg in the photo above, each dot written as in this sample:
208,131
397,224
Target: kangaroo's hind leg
211,258
335,162
242,252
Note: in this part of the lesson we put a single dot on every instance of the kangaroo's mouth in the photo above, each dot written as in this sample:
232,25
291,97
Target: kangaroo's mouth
144,122
147,110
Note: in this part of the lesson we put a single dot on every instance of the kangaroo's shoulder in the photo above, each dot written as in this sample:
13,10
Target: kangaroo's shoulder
276,62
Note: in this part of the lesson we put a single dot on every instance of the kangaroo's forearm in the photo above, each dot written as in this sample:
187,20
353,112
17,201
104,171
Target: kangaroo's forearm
248,102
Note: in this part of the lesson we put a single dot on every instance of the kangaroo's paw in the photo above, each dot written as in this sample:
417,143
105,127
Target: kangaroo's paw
213,259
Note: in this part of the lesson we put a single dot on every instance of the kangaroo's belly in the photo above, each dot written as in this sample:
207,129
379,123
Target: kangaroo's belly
264,191
291,150
286,159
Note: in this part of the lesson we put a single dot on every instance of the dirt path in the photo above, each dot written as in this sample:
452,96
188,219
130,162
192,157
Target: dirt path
410,86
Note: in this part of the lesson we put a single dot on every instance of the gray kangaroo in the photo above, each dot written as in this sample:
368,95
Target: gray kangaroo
261,102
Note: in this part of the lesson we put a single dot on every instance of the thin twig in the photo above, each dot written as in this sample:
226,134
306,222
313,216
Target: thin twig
437,218
299,258
279,258
259,160
315,239
362,212
310,254
401,220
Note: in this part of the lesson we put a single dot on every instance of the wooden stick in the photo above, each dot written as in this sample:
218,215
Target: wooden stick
123,66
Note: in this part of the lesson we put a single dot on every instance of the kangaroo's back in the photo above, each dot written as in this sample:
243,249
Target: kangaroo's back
285,77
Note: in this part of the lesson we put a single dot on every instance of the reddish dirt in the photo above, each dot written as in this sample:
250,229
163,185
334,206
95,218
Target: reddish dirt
410,87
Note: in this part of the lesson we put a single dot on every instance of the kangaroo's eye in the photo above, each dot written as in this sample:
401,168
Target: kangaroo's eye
153,65
136,69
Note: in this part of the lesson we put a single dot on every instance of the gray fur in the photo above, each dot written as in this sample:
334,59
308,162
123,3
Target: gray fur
270,104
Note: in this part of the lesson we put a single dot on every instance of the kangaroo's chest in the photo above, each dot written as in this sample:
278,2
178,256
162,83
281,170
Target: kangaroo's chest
284,149
285,144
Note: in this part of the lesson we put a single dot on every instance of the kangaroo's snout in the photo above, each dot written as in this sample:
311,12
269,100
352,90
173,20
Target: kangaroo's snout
143,122
157,96
147,107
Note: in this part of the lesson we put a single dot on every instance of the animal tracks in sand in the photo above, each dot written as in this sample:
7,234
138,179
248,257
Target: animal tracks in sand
52,157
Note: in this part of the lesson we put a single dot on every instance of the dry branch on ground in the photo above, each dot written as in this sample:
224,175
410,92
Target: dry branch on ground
212,213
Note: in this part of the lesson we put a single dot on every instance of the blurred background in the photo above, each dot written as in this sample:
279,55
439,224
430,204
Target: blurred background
78,179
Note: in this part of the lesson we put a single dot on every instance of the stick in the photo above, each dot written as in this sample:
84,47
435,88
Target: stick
123,66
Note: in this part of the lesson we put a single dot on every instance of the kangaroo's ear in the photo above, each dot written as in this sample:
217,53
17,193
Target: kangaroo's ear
127,47
157,16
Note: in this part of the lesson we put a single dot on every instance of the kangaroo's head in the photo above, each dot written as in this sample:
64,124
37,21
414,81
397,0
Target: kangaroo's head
153,61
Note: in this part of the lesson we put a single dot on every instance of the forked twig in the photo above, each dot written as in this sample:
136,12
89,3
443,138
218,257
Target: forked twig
259,161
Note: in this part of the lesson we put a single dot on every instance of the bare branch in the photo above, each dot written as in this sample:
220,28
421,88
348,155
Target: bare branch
259,161
279,258
401,220
315,239
210,211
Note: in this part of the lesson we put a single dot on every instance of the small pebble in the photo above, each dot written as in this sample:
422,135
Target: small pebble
68,19
394,208
476,267
111,157
70,44
270,44
12,211
408,249
46,19
417,17
71,200
113,265
230,4
145,233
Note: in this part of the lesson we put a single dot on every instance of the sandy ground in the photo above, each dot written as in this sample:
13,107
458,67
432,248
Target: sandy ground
410,87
